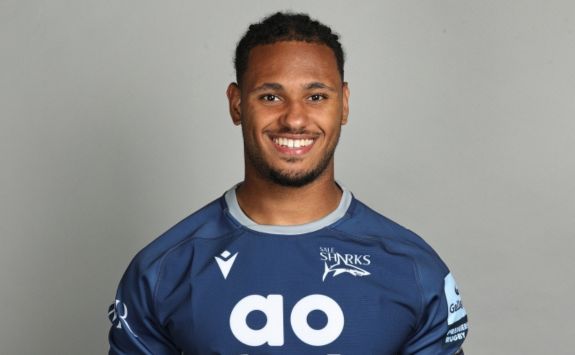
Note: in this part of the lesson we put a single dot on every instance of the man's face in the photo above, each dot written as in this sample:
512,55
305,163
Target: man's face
291,105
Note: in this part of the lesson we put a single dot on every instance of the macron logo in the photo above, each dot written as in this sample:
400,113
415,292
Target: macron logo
225,262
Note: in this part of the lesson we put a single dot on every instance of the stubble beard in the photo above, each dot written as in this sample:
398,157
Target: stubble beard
286,177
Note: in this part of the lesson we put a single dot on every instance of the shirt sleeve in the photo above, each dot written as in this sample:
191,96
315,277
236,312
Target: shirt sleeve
443,323
135,328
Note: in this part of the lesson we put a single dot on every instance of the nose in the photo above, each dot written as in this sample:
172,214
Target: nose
295,117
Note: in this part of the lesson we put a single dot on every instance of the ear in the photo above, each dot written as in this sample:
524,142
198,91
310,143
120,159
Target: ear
345,108
234,100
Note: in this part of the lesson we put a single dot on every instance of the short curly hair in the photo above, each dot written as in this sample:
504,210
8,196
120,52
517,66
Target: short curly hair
286,26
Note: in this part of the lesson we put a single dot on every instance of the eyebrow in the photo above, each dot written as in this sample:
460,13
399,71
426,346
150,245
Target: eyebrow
268,86
319,85
279,87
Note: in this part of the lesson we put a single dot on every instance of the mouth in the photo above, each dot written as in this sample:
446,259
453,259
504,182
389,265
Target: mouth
293,146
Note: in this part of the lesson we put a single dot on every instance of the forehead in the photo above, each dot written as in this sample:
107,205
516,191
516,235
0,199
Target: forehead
291,61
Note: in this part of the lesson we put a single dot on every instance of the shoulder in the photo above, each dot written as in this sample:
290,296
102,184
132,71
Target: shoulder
402,252
363,222
208,223
441,314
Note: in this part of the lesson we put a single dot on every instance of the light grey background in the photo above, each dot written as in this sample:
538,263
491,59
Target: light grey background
114,126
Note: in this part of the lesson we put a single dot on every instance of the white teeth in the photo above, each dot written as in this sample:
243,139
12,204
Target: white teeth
293,143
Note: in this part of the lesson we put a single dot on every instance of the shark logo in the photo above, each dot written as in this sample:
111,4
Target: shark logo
338,269
338,264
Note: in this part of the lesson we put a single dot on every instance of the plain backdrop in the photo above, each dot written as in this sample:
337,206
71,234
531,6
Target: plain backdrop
114,126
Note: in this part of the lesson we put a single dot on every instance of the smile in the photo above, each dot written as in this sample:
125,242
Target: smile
292,143
293,146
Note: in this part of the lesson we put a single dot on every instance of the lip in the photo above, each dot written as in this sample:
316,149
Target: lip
293,151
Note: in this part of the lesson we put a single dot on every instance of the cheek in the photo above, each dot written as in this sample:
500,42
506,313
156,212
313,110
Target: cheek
252,132
331,122
260,120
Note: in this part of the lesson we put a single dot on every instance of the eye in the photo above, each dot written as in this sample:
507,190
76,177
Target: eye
317,97
269,98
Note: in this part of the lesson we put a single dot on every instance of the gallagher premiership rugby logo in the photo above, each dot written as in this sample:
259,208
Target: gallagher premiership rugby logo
336,263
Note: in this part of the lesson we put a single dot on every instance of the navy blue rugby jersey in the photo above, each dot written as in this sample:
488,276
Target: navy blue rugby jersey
351,283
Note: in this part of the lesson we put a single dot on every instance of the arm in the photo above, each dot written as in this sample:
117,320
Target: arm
443,322
135,326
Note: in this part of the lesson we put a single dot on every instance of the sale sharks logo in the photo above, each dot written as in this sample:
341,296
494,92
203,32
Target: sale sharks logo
336,263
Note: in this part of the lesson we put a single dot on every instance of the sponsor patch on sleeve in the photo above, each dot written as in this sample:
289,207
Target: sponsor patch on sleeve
118,314
457,317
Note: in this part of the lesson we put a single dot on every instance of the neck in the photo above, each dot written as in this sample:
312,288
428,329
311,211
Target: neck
266,202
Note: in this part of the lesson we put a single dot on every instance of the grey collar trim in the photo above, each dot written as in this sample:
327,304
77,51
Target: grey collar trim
242,218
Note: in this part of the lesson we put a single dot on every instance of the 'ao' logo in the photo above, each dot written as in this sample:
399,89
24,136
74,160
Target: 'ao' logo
273,331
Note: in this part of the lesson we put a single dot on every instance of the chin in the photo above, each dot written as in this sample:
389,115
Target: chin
294,179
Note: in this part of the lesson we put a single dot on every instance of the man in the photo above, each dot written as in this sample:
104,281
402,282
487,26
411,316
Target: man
288,261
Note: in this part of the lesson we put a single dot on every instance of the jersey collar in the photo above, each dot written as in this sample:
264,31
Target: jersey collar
239,215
